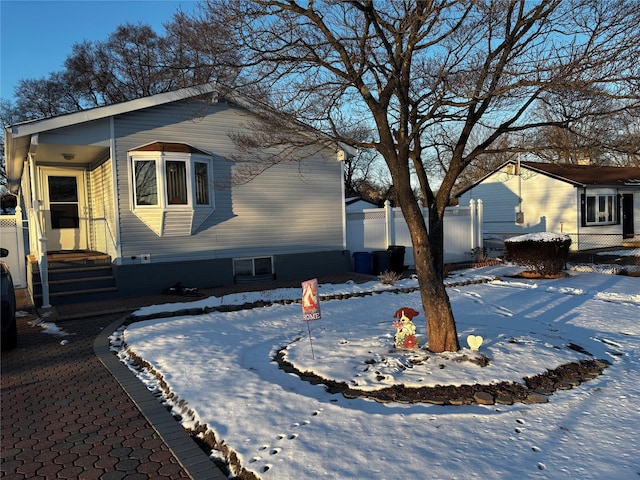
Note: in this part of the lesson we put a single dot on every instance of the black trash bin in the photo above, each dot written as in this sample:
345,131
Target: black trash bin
381,261
396,258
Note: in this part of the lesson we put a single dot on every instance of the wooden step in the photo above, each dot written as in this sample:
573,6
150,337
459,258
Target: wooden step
78,296
84,292
70,281
78,276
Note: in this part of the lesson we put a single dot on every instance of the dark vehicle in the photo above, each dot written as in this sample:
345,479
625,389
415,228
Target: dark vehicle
8,300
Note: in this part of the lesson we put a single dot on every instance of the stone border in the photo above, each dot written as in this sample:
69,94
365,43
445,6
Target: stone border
535,389
189,454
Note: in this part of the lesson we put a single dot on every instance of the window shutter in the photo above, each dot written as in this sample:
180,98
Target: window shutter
583,210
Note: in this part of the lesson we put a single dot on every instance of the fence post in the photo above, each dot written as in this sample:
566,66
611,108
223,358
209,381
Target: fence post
389,222
472,223
480,227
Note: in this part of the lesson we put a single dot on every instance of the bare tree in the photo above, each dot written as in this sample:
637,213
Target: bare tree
197,50
133,62
8,115
437,84
125,66
608,139
46,97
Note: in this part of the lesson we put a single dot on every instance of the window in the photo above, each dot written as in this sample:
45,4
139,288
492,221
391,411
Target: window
202,183
171,187
186,180
63,202
246,267
601,209
176,175
146,185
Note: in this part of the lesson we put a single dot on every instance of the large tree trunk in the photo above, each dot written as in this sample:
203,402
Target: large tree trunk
428,256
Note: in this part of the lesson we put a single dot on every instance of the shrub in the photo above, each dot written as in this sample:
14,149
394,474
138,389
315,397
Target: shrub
389,278
544,254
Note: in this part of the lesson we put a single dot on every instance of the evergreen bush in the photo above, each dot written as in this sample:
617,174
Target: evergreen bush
544,254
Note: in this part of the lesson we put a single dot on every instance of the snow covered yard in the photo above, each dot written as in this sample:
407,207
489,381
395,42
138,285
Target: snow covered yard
220,367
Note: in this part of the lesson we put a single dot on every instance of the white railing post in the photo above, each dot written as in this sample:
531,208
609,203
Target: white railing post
41,242
480,227
472,223
389,221
43,265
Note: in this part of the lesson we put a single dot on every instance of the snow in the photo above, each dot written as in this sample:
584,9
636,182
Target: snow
539,237
219,366
47,327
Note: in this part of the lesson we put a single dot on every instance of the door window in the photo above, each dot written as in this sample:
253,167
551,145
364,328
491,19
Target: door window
63,202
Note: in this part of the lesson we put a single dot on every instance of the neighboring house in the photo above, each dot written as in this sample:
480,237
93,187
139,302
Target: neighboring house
598,206
357,204
147,185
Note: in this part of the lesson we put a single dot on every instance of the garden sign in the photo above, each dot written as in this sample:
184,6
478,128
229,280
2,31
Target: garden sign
310,305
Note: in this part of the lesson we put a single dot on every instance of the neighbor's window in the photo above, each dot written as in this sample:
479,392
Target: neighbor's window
601,209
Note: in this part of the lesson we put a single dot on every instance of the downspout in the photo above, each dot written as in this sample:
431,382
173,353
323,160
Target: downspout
581,213
341,156
43,264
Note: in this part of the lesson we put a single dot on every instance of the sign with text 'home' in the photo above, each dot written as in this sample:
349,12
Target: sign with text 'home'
310,301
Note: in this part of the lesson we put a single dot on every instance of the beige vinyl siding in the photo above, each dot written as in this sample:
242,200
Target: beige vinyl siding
553,200
103,231
290,208
548,204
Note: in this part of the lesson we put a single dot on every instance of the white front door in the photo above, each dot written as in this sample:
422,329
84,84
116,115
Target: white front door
65,209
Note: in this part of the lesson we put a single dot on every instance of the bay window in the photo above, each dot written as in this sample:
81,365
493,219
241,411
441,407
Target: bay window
184,182
171,184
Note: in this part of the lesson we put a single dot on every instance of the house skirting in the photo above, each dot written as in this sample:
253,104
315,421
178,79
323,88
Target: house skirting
152,278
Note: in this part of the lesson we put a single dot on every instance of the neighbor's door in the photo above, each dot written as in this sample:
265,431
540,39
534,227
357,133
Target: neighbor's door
627,215
65,209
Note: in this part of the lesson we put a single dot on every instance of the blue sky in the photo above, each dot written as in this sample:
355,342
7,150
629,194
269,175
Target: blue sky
36,36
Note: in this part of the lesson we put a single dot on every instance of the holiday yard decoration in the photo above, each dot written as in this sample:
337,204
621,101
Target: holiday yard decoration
405,336
474,341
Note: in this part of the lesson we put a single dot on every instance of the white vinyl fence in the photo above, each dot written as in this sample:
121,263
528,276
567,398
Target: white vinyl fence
12,238
376,229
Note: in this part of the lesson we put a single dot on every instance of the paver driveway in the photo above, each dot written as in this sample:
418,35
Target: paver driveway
64,415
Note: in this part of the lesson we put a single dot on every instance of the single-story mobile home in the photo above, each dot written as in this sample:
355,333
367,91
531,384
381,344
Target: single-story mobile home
135,197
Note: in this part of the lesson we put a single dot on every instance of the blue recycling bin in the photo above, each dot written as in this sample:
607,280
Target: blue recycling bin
362,262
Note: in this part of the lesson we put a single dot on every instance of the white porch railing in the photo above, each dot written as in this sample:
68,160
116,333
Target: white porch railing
378,228
38,242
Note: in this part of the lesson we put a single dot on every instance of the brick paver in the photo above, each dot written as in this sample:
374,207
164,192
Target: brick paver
65,416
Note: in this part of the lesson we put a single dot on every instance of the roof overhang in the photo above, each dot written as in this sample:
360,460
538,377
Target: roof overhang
22,138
